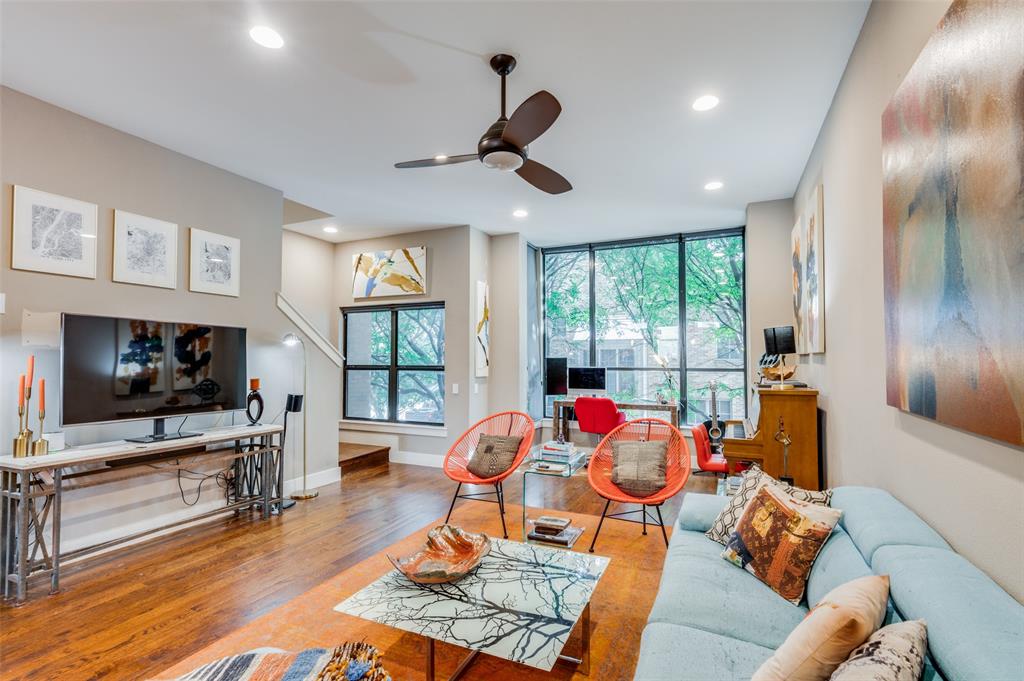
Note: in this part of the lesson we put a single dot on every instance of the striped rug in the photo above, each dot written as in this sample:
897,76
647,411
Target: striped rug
350,662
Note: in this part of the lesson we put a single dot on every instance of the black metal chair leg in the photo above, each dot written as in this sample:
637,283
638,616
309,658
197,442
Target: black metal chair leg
643,511
600,522
664,534
501,512
452,507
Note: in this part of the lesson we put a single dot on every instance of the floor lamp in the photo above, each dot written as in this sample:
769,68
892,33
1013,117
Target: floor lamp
291,340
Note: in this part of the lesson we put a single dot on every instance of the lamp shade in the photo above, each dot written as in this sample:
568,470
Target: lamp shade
291,339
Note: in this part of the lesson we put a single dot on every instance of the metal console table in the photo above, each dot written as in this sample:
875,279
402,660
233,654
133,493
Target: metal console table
31,491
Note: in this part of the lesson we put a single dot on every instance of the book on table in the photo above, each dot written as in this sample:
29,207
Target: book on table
565,538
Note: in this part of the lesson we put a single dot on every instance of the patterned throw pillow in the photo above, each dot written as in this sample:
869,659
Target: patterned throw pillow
753,479
638,468
778,538
493,455
893,653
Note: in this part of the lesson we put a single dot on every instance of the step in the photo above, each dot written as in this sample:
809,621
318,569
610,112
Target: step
354,456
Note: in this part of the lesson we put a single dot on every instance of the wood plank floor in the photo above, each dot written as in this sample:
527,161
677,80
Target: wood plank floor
136,612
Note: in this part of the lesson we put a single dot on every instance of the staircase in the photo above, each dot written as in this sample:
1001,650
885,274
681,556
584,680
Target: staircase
353,456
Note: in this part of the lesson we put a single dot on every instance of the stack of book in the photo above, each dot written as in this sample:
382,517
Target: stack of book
554,530
558,452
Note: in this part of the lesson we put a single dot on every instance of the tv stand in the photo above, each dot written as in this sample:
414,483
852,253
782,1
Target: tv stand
160,435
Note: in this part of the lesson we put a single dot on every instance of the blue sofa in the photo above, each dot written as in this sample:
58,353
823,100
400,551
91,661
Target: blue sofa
712,621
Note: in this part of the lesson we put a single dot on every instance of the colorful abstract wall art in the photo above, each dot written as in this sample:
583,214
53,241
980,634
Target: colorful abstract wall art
483,329
395,272
953,235
806,245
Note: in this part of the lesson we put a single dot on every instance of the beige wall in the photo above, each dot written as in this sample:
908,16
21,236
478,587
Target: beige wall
51,149
307,267
969,488
508,323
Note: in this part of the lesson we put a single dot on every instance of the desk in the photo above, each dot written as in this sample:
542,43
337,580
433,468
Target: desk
32,487
559,422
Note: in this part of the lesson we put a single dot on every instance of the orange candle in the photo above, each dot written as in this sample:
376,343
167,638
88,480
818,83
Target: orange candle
42,397
31,370
254,384
21,393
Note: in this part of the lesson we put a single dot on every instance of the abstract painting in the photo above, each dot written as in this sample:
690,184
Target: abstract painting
394,272
808,277
798,259
953,225
214,263
193,355
145,250
140,357
53,234
483,329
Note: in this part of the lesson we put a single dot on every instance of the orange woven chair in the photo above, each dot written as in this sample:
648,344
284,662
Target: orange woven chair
677,471
514,423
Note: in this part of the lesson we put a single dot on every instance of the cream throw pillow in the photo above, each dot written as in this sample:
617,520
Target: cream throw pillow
844,619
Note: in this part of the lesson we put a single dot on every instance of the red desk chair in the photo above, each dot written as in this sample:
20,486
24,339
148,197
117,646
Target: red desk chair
455,461
709,461
598,415
677,470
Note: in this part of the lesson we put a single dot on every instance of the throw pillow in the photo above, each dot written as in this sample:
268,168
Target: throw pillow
893,653
778,538
638,468
493,455
753,479
844,619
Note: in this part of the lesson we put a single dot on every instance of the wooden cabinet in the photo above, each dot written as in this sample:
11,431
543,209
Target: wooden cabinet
797,411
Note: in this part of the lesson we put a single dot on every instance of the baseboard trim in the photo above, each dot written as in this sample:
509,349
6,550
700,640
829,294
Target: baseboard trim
417,458
322,478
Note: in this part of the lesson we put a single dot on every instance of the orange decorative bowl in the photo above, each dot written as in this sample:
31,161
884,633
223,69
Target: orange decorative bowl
450,554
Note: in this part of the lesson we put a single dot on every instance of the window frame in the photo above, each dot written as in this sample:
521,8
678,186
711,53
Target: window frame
393,367
681,239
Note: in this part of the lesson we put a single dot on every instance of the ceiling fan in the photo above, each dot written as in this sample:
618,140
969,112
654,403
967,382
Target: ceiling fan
505,144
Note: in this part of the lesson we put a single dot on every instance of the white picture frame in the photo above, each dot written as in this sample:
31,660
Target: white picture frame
145,250
54,234
215,263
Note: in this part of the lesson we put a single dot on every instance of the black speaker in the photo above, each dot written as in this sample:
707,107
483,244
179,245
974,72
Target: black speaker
293,403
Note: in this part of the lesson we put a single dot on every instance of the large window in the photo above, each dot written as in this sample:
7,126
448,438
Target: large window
394,363
664,317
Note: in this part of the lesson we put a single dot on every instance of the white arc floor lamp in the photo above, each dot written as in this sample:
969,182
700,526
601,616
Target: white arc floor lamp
291,340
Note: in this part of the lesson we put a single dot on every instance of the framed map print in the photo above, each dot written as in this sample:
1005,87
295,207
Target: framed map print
145,250
53,234
215,263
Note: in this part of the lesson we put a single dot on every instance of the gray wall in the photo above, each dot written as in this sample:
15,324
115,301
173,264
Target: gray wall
54,150
968,487
508,323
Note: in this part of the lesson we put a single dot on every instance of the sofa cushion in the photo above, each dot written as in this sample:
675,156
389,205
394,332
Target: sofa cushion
838,562
975,629
893,653
671,652
700,590
874,518
698,511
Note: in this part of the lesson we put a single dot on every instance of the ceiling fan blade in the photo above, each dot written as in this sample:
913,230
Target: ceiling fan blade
431,162
531,119
543,178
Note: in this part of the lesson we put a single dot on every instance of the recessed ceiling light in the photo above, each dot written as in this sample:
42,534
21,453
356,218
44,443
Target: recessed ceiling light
520,213
331,229
267,37
713,186
441,157
705,103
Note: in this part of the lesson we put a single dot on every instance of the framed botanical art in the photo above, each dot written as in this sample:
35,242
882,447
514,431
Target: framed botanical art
145,250
53,234
390,272
215,263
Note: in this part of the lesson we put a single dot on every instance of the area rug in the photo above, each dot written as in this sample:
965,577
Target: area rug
619,608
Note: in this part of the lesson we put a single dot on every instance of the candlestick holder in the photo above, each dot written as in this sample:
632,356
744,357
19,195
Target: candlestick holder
23,441
41,446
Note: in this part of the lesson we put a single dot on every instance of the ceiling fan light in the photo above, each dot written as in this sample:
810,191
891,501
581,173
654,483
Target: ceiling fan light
503,160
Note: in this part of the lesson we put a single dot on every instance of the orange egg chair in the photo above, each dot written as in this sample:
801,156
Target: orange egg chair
514,423
677,471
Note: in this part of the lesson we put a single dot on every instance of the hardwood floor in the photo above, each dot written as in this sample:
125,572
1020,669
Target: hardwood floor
136,612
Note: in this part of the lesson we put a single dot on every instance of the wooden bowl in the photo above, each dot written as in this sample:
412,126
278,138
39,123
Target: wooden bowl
449,554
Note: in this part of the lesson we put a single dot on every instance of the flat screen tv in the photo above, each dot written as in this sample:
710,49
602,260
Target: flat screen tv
122,369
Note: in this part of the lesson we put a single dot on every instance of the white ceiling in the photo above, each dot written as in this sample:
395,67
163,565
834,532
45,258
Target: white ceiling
360,86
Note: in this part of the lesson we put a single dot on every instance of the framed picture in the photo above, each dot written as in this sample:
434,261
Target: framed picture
483,329
814,272
145,250
393,272
215,263
798,258
53,234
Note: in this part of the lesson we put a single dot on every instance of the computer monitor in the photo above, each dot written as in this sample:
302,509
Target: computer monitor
556,376
586,380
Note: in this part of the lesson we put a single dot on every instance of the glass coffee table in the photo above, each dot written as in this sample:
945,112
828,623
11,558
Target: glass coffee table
520,604
530,468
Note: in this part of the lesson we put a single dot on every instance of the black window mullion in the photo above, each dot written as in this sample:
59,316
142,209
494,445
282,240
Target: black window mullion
683,385
592,358
393,370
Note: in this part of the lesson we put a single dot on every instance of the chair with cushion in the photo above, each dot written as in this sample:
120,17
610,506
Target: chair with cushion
637,444
598,415
507,438
709,461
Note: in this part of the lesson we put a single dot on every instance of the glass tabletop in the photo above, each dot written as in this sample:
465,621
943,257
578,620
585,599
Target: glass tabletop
520,604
